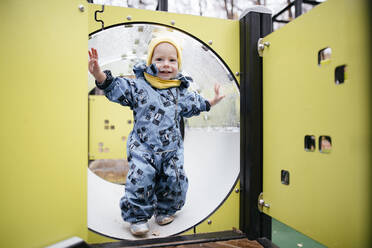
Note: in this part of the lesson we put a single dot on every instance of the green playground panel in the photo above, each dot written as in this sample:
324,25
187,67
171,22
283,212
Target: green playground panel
328,197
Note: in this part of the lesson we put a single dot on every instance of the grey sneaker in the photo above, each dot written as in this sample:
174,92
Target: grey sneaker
164,219
139,228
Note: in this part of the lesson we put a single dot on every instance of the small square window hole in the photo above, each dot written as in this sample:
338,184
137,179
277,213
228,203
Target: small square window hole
284,176
340,74
325,144
309,143
324,56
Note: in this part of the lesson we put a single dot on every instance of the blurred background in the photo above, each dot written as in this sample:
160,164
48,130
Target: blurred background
226,9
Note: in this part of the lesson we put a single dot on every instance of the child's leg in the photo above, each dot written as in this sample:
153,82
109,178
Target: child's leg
137,204
172,186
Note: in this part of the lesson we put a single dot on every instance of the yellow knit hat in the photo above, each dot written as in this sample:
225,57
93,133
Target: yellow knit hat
156,41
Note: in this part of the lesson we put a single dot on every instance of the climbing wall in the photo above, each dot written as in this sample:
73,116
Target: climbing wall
317,124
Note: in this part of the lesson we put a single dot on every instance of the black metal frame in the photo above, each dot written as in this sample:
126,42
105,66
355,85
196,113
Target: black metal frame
252,27
298,9
162,5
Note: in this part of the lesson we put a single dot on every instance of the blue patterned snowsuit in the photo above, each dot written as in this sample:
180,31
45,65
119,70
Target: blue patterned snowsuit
156,180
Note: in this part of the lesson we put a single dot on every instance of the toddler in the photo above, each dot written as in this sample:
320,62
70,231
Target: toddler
156,183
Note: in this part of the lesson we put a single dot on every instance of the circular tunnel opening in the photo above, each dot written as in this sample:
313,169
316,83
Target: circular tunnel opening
211,142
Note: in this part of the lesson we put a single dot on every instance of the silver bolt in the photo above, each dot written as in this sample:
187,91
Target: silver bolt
210,42
237,73
209,222
262,46
173,22
81,8
129,18
237,190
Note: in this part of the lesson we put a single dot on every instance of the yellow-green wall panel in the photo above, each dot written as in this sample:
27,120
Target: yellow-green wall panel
329,195
95,238
189,232
109,127
43,122
225,218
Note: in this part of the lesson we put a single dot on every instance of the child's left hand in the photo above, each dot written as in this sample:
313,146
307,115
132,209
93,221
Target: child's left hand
217,95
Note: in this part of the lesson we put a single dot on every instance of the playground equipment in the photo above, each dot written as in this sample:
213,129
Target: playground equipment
294,95
211,139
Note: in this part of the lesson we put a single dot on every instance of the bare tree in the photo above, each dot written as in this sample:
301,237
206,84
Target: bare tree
233,8
259,2
202,6
141,4
290,15
229,13
129,4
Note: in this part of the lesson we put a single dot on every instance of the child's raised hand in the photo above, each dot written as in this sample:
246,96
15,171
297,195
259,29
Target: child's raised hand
217,95
93,61
93,66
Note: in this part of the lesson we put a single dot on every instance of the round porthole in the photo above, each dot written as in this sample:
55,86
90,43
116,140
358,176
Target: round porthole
212,145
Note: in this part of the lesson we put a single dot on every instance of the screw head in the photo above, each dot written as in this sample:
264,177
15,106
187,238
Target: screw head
210,42
209,222
81,8
261,47
173,22
237,73
129,18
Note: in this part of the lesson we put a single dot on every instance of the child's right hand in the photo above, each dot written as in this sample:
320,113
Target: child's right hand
94,68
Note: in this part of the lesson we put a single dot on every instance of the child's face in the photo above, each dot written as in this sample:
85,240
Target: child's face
165,59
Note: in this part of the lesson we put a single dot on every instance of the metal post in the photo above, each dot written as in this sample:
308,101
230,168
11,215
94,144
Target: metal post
254,24
162,5
298,8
